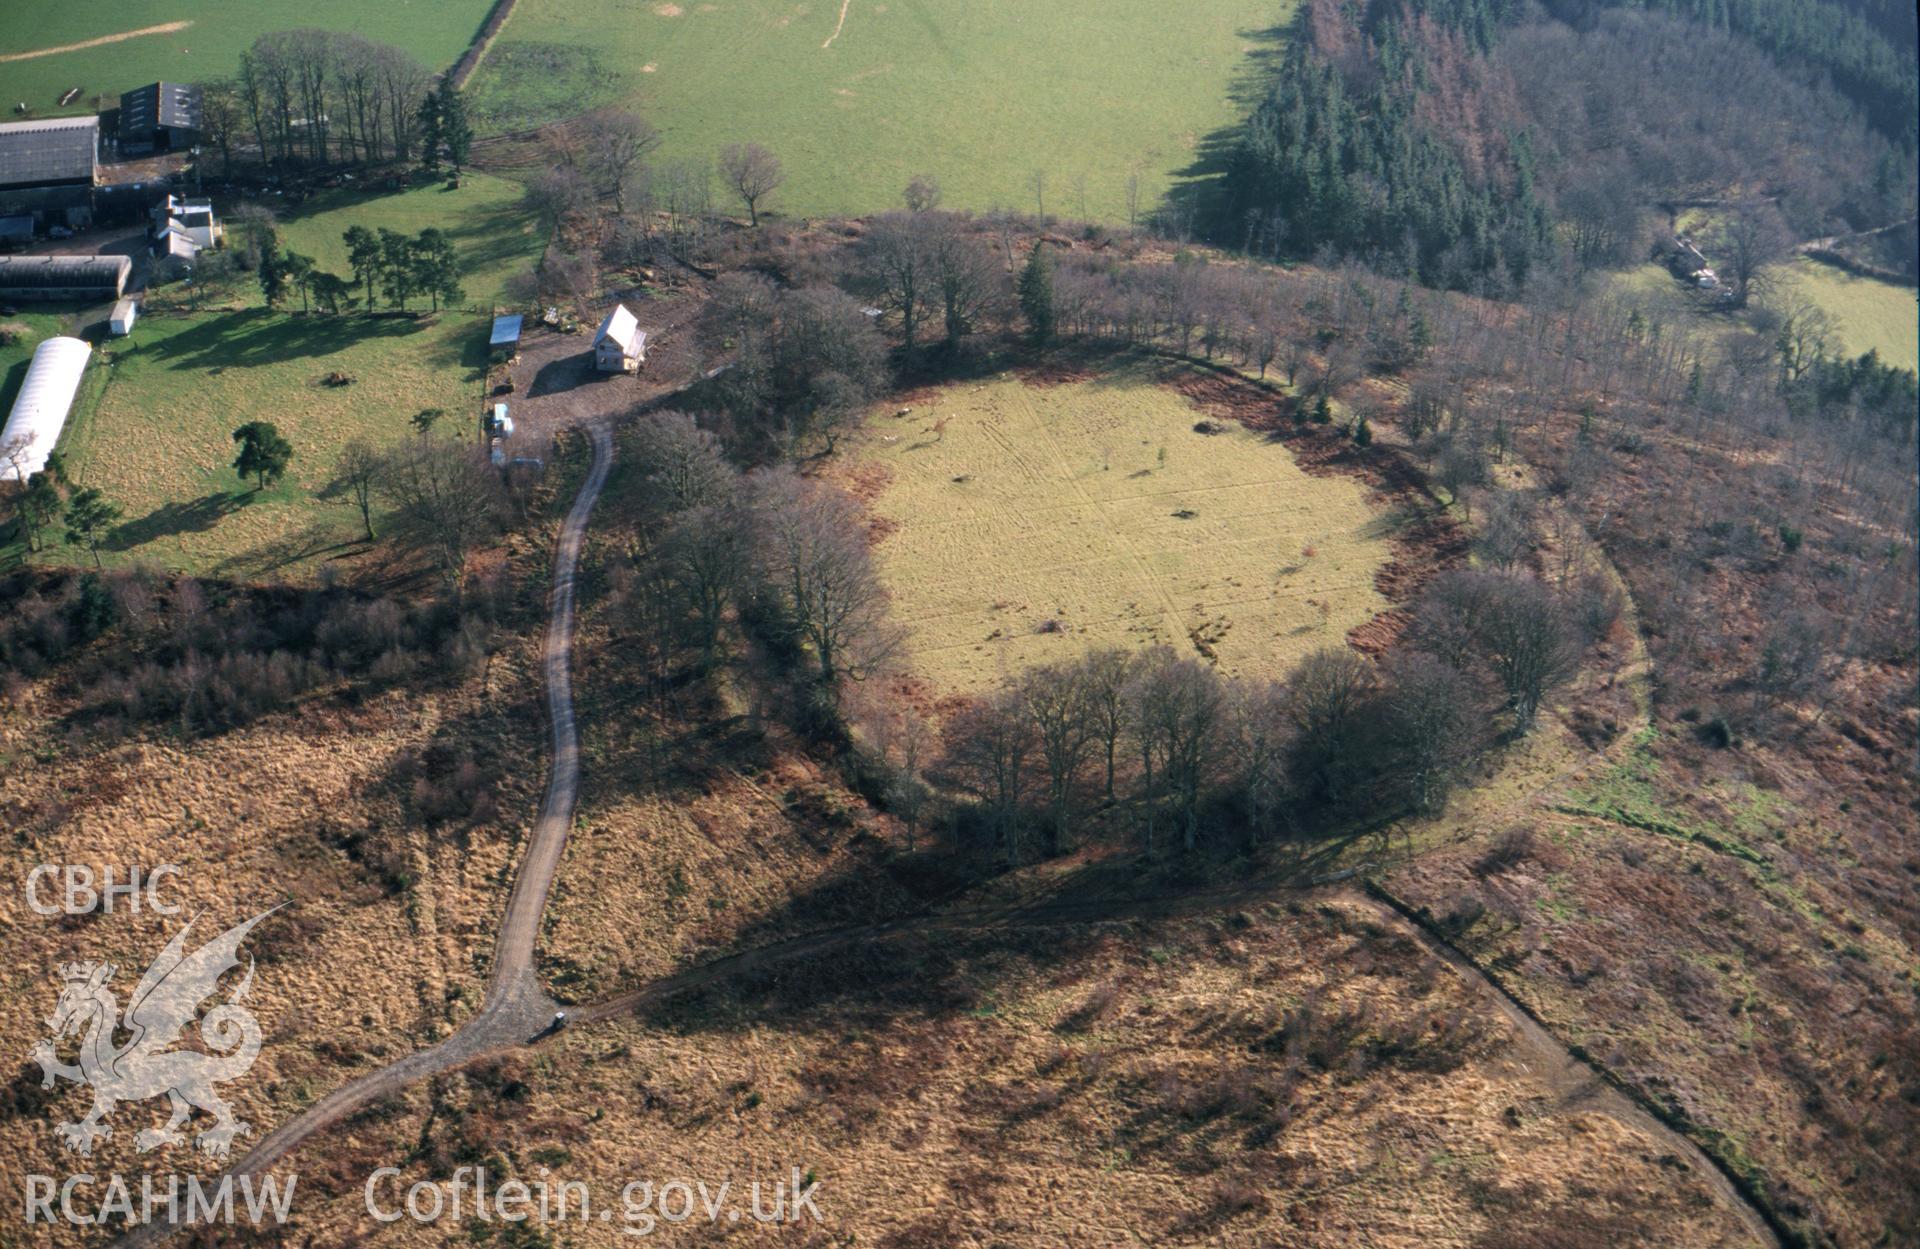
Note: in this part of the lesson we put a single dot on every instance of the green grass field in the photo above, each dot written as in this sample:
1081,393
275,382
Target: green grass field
209,46
158,437
1044,521
978,93
483,218
1869,314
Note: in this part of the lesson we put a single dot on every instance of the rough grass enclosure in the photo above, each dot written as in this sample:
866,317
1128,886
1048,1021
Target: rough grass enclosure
1020,523
859,98
159,439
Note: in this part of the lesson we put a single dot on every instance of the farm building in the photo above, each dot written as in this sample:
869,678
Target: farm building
47,168
40,411
64,277
504,343
125,313
190,218
16,231
620,346
159,117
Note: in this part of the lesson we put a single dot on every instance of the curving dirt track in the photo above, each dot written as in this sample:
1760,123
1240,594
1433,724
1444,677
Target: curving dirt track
516,1007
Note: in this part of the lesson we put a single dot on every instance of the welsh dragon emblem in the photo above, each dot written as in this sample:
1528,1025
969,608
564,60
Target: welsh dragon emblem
163,1004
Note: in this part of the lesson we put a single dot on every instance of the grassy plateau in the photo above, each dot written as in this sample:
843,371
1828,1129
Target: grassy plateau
1030,523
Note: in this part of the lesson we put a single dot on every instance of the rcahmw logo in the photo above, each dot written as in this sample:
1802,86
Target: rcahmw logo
164,1002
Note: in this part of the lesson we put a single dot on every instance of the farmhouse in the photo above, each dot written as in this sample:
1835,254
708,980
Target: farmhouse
64,277
40,412
192,219
47,169
620,345
159,117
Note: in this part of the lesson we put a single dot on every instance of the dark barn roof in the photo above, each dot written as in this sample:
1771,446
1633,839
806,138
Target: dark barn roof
28,273
35,153
160,104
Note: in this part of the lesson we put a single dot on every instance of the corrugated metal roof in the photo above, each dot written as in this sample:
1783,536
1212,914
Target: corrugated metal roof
58,150
40,410
42,272
158,104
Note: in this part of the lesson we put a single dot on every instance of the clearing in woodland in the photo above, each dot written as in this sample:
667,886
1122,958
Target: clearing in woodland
1021,524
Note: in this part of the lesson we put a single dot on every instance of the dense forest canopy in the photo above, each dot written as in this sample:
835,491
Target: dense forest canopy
1465,142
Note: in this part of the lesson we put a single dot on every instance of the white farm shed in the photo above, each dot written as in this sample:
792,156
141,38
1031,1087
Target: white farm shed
620,346
125,313
40,410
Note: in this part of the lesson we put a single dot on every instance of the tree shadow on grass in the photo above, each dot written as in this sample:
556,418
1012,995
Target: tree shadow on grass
259,337
322,538
171,519
1198,196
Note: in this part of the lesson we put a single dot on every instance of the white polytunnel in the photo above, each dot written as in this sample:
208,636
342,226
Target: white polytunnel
40,411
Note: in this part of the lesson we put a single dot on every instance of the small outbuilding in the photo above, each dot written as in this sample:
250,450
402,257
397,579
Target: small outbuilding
504,343
620,346
40,410
125,313
64,277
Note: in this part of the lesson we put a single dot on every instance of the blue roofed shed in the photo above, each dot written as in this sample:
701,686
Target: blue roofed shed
505,341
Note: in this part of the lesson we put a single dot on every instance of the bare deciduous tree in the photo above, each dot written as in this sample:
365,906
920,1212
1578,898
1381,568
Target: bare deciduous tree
988,744
615,142
681,461
922,193
1177,708
1055,698
1430,723
1753,238
1258,738
753,172
445,495
357,474
1107,675
814,559
1329,697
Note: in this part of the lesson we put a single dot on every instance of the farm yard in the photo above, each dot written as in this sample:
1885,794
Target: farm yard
193,40
1025,523
859,98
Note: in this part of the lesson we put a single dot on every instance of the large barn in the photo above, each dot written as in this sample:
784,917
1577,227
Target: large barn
159,117
101,278
40,411
47,168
